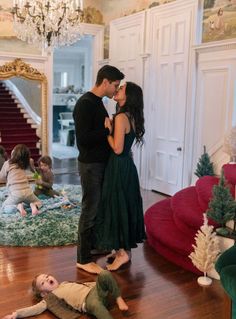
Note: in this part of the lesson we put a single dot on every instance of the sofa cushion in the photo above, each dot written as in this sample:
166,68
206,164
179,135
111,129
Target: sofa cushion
187,214
160,225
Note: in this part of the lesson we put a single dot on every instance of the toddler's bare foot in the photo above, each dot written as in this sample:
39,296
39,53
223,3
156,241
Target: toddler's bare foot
34,210
92,267
122,305
121,258
20,207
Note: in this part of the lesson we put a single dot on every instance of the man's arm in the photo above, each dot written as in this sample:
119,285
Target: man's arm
28,311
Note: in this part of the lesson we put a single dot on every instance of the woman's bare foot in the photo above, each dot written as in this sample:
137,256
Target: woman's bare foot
122,258
34,209
20,207
122,305
92,267
110,257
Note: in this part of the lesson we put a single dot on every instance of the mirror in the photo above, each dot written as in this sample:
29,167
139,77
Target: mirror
20,69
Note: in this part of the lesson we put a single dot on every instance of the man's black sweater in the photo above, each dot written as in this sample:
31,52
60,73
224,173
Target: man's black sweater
91,135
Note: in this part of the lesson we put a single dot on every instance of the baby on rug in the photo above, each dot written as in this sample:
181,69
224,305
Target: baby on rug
69,299
44,177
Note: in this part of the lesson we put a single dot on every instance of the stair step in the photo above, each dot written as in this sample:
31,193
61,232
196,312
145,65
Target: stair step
11,145
13,112
24,136
11,115
15,133
12,119
7,126
7,99
5,95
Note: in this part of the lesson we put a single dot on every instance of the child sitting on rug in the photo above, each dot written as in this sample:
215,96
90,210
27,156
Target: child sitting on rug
68,299
44,177
19,191
3,156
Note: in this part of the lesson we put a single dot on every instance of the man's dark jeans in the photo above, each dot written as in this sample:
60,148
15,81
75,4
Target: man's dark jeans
91,175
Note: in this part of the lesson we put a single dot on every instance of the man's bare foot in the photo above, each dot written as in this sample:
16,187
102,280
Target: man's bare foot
20,207
121,258
122,305
92,267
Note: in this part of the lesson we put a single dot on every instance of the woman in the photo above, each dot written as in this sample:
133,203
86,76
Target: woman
119,222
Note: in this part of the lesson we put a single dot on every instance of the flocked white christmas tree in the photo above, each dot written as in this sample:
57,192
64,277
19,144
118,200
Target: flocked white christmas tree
206,251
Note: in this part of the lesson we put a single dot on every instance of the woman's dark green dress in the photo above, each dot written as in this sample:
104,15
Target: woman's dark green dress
119,222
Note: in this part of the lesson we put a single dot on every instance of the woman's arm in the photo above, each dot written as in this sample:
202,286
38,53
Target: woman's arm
28,311
121,125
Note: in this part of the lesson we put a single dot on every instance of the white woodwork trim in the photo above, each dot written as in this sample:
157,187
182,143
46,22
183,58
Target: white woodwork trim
216,46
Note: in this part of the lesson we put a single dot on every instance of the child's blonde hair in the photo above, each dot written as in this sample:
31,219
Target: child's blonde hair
36,291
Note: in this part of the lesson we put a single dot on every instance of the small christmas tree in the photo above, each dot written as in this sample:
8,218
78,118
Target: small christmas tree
205,251
204,165
222,207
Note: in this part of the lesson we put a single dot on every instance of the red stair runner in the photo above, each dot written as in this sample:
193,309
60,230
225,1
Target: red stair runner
14,128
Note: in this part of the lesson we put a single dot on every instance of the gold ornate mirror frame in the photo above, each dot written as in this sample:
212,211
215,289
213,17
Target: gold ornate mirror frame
19,68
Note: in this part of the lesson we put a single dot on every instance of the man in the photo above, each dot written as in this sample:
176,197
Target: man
91,138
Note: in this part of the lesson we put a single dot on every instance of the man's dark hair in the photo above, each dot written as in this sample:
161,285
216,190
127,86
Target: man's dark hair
110,73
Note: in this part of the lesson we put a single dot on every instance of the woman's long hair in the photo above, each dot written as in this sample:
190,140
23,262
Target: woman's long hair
134,106
20,156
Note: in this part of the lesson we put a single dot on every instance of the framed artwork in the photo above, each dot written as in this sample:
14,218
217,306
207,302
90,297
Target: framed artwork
6,19
219,20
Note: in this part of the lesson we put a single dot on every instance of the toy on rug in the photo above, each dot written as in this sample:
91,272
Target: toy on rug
44,177
19,191
69,299
206,251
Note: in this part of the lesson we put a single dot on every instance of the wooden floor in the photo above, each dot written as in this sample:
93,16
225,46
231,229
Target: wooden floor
153,287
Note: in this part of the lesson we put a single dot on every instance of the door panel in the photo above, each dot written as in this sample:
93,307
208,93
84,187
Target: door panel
171,64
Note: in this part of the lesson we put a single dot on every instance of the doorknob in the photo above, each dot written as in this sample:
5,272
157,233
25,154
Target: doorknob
179,149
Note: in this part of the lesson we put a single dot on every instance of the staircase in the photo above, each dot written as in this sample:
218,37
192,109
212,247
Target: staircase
14,128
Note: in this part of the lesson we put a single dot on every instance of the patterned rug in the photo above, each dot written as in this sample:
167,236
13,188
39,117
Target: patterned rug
56,225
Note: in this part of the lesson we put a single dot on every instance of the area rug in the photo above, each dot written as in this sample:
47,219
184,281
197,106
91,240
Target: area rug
56,225
63,152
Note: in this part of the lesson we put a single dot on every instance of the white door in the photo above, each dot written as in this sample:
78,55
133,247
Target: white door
126,49
170,64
